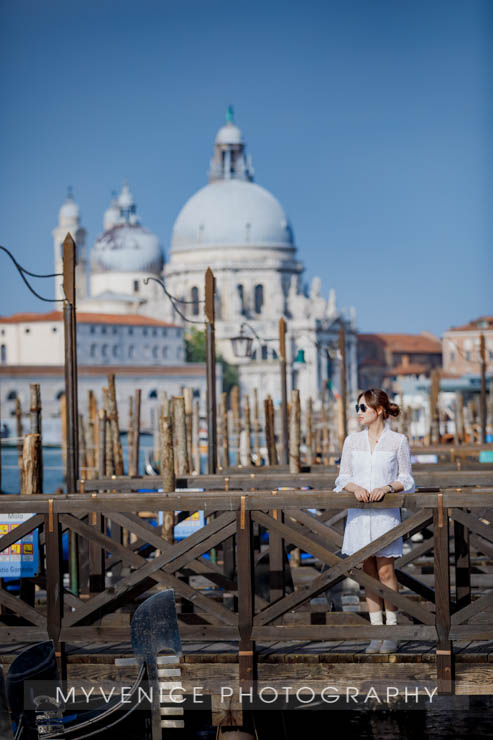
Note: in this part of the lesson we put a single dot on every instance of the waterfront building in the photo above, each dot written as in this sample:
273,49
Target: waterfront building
239,230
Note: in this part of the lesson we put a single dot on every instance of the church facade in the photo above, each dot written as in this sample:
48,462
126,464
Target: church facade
241,231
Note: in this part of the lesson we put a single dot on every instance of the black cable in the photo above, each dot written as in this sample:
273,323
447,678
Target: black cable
173,299
21,270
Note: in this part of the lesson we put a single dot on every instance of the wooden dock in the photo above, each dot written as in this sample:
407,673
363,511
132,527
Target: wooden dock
241,624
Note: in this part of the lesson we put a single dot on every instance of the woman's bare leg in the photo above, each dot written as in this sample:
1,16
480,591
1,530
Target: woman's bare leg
386,574
373,601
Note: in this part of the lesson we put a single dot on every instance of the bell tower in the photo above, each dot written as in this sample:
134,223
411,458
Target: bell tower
69,221
230,161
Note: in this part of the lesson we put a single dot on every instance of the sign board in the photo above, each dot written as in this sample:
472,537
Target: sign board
20,560
191,524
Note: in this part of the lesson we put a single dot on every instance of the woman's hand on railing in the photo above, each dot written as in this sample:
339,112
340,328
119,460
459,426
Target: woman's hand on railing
377,494
361,494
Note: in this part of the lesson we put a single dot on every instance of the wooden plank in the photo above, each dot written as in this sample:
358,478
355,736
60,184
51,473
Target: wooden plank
414,584
246,595
480,544
277,581
21,634
416,552
469,521
445,663
471,632
477,606
20,607
351,632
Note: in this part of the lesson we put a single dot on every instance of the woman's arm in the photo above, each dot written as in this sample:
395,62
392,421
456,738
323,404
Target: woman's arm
343,480
404,481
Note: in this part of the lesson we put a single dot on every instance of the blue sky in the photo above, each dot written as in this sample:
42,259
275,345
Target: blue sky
370,120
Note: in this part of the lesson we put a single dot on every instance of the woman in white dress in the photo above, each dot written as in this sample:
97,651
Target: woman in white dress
374,462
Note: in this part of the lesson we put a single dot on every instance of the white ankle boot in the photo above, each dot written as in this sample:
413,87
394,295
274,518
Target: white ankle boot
389,646
374,646
375,618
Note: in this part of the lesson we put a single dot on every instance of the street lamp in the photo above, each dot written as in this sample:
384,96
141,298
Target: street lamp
242,344
242,348
210,359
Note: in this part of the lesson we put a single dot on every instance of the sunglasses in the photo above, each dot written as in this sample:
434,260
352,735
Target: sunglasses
361,407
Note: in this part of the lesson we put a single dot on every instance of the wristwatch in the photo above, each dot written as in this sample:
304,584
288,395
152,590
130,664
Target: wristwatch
392,489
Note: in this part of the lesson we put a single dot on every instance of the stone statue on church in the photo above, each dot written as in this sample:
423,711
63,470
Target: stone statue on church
317,302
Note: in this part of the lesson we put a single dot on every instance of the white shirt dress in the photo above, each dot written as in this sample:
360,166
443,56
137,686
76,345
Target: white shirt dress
390,461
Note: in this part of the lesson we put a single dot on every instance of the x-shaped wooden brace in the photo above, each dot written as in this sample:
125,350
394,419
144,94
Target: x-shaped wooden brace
339,567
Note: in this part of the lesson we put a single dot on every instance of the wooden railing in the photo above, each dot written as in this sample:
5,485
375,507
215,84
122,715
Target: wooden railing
231,609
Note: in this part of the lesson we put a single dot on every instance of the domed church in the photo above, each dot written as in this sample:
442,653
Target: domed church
240,230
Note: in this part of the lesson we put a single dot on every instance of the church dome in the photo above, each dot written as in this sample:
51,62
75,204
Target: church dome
127,248
231,212
229,134
125,245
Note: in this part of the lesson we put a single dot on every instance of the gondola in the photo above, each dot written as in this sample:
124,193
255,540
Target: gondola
35,713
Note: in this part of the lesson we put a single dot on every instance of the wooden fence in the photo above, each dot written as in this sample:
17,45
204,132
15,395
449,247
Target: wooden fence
230,609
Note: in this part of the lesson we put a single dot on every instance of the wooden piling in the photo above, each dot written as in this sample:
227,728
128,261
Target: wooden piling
459,418
102,444
325,435
19,434
294,433
82,449
93,431
130,437
225,430
256,429
180,436
270,431
248,431
63,422
36,424
91,450
196,438
109,456
235,412
135,451
167,465
434,418
31,463
115,426
309,436
188,395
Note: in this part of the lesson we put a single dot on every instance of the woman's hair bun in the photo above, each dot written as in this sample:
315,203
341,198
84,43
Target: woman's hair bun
376,398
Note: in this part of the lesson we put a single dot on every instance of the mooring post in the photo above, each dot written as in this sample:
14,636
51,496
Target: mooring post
284,391
246,597
444,649
72,414
54,584
210,294
35,423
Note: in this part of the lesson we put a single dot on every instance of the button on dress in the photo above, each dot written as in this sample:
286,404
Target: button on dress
390,461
